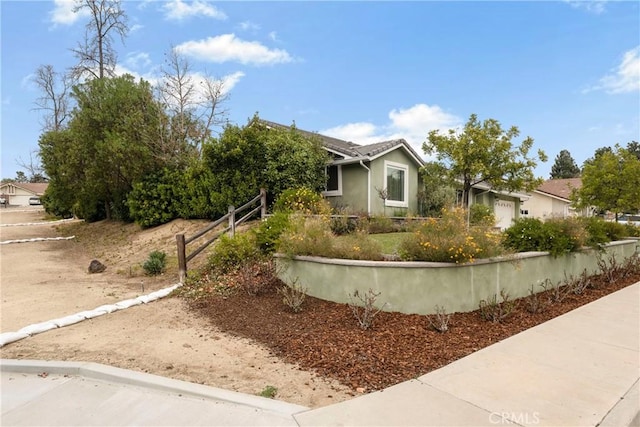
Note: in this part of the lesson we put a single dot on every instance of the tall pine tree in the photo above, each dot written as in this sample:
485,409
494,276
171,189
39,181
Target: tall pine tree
564,166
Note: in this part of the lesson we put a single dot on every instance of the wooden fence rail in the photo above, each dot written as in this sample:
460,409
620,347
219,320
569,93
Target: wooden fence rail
232,223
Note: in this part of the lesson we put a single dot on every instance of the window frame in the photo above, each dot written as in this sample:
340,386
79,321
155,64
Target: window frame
405,168
338,192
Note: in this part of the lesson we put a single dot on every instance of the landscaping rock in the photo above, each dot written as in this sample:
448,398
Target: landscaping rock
96,267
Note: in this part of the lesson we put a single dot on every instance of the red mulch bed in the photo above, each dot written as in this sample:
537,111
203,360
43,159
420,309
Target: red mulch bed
325,336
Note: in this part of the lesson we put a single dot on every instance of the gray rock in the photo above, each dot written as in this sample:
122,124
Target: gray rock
96,267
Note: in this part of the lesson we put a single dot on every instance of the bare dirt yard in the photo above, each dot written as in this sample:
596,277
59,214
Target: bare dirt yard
45,280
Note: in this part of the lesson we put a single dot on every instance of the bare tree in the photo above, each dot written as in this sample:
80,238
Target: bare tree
96,54
214,95
177,92
194,103
54,100
33,166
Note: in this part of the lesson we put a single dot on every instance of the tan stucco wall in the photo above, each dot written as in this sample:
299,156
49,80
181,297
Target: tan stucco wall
417,287
541,206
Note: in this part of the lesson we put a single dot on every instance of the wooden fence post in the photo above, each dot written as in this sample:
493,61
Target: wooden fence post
232,221
182,258
263,203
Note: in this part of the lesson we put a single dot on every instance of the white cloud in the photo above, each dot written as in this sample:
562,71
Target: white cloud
227,47
135,27
592,6
625,77
360,133
138,60
178,10
273,36
63,14
413,124
248,26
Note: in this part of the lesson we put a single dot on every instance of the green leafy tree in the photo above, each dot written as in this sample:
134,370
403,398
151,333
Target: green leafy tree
611,182
438,193
483,151
107,148
564,166
244,159
634,148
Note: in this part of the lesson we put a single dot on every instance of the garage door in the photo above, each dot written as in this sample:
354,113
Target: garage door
504,211
19,200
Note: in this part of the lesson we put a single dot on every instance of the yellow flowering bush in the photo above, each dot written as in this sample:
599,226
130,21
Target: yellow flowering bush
447,239
302,200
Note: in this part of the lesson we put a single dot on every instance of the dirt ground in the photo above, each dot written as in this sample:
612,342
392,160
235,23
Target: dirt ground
41,281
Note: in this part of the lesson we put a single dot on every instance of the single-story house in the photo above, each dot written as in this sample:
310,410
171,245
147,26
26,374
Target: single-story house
553,199
19,193
358,175
506,205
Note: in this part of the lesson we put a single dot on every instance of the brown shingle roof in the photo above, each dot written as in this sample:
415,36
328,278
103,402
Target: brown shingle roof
37,188
560,187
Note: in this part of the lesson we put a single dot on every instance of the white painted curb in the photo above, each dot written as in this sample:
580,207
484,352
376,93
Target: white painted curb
38,328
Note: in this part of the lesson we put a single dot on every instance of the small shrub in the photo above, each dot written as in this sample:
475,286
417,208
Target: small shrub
293,296
301,200
380,224
533,302
269,231
610,269
255,276
312,236
557,292
356,246
364,309
440,320
307,236
156,263
496,311
579,284
448,239
342,224
269,392
482,215
229,253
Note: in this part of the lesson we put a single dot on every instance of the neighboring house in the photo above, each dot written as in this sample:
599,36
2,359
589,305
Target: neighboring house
19,193
553,199
358,173
506,205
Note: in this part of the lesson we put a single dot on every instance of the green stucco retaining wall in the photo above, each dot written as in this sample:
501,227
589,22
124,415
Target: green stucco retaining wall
417,287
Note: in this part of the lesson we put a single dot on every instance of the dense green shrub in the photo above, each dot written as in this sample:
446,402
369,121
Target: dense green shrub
229,253
268,232
447,239
556,236
156,199
156,263
632,230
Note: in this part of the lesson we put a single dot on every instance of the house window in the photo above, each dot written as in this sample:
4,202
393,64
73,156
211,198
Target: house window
396,183
334,180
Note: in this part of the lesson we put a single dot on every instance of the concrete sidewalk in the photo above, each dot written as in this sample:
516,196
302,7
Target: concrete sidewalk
580,369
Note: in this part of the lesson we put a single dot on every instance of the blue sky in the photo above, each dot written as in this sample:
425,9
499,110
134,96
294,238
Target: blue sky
566,73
